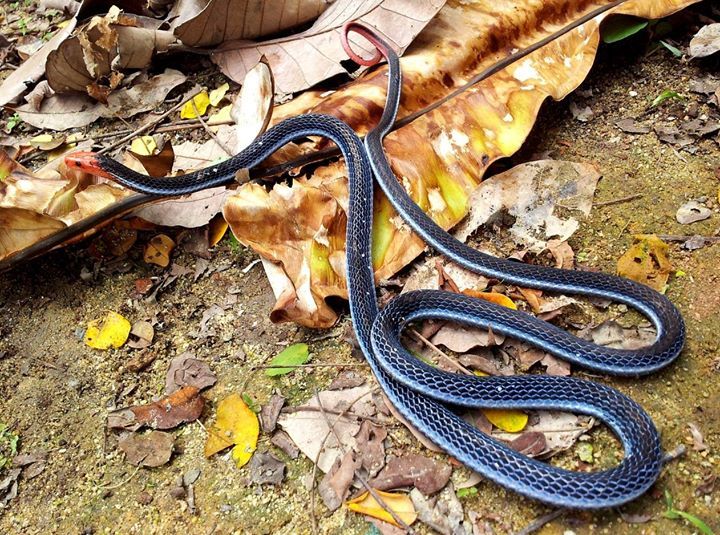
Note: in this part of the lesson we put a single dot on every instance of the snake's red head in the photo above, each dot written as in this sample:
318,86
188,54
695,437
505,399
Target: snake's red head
87,162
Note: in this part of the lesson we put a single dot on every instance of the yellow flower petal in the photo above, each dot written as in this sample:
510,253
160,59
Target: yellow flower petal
111,331
494,297
401,505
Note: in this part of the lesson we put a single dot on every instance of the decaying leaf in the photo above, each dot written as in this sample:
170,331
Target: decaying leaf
370,447
33,68
425,474
265,468
706,41
335,485
309,428
64,111
307,58
210,25
158,250
235,425
182,406
195,107
443,511
270,413
400,504
646,262
111,331
149,449
461,339
186,370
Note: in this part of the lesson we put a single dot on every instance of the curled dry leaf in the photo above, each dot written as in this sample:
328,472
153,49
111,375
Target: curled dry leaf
646,262
93,59
183,406
143,332
210,25
706,41
270,413
440,156
252,109
304,59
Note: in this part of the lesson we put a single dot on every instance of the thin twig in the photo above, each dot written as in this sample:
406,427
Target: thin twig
212,134
344,414
123,482
441,353
681,238
361,479
540,522
618,201
147,126
327,365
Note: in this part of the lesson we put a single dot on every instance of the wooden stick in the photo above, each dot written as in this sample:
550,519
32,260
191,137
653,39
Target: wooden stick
618,201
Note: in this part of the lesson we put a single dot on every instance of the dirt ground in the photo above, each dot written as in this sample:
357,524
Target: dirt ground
55,392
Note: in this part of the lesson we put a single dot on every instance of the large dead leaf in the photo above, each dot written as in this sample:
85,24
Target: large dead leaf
304,59
250,19
440,157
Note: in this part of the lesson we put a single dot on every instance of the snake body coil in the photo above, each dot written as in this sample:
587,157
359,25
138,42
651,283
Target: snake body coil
425,395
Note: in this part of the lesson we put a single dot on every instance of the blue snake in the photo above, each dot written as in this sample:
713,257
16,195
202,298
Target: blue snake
428,397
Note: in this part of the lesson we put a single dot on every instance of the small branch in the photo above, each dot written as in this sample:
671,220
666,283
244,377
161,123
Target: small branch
618,201
123,482
681,238
327,365
441,353
343,414
212,134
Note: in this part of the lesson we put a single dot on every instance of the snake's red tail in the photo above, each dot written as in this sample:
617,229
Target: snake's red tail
367,33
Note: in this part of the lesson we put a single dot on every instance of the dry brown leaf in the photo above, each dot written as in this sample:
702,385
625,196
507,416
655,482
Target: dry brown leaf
304,59
182,406
252,109
150,449
158,250
250,19
425,474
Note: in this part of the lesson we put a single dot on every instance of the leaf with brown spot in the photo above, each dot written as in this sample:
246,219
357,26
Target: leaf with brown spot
646,262
158,250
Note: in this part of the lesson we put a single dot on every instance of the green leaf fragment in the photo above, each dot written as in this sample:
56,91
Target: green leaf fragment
466,493
668,94
291,356
674,514
619,28
673,49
